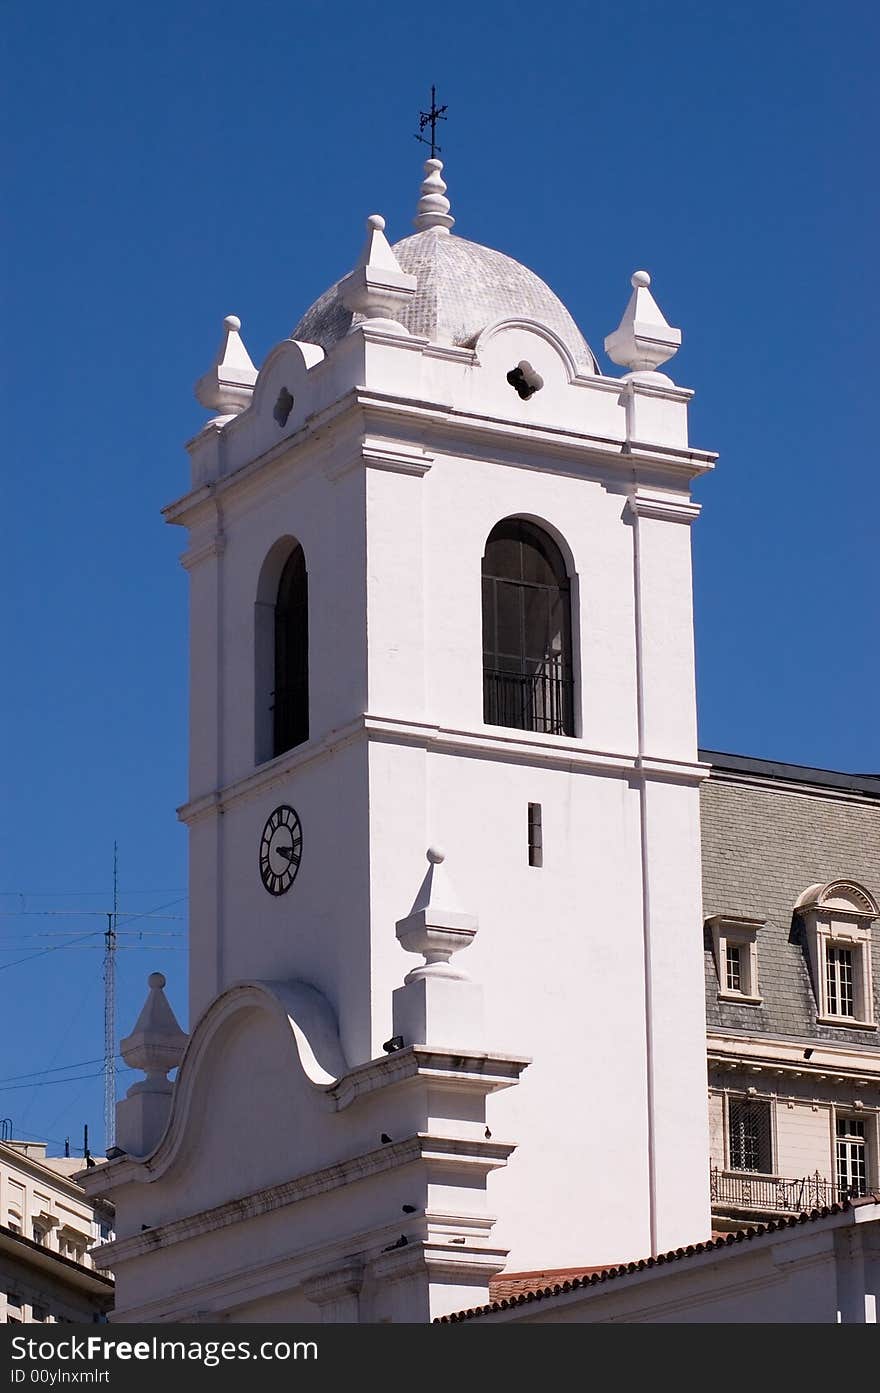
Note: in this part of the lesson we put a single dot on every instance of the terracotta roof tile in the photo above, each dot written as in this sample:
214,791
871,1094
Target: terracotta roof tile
581,1277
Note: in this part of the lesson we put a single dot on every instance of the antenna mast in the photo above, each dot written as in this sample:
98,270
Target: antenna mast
110,1014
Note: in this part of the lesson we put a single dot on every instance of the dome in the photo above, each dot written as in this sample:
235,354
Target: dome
462,287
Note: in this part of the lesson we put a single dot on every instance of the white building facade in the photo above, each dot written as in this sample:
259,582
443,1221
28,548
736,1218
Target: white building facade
440,602
48,1230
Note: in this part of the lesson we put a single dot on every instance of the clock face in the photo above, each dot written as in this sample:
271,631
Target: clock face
280,850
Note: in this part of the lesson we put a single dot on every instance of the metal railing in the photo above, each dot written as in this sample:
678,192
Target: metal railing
528,701
771,1193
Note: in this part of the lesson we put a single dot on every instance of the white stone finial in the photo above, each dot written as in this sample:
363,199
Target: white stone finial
433,208
436,926
437,1004
157,1042
155,1046
643,339
228,385
377,288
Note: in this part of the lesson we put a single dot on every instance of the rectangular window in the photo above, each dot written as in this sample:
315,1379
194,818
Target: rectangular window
852,1161
839,981
750,1136
734,967
536,837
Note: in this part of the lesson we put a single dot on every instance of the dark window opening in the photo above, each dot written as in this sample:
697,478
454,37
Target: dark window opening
290,698
283,407
536,836
750,1136
527,666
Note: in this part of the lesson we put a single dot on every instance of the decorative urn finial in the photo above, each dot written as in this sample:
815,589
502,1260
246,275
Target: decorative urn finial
436,926
157,1042
228,385
643,339
377,288
433,208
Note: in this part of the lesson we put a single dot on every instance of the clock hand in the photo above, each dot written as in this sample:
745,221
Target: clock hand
286,851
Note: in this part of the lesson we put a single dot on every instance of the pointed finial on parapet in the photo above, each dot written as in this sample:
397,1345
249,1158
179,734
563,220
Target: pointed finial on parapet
436,925
157,1042
155,1046
433,209
377,288
228,385
437,1005
643,339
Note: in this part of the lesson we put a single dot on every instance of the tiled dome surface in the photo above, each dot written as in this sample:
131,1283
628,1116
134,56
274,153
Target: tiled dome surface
462,288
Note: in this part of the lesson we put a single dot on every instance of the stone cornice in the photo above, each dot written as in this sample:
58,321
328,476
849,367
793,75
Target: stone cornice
520,747
663,507
480,1155
478,1072
394,456
537,445
225,1289
757,1055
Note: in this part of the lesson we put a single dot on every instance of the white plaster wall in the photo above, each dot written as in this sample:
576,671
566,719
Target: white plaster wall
319,932
804,1139
667,627
559,951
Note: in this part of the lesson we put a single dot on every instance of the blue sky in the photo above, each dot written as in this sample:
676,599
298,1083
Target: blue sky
174,163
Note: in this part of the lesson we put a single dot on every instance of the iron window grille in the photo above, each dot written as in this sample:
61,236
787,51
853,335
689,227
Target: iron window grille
749,1136
527,662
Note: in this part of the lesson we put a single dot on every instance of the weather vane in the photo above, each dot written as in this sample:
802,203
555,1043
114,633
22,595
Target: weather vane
430,118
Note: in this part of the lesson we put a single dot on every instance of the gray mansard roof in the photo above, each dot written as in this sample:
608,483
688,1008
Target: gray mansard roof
769,831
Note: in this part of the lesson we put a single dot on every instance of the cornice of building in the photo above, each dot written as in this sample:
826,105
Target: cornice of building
521,444
792,778
777,1056
534,748
439,1151
17,1160
46,1260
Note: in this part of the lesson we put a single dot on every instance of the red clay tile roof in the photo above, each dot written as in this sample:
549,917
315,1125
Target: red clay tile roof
590,1276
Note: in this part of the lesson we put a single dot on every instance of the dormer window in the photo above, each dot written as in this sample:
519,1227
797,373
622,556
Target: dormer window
837,920
735,947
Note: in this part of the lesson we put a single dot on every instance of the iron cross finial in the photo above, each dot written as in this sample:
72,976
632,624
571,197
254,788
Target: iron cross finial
430,118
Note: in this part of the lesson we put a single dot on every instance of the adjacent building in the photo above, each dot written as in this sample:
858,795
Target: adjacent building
48,1229
791,880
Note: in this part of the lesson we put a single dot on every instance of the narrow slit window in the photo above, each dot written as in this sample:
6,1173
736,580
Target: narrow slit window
536,837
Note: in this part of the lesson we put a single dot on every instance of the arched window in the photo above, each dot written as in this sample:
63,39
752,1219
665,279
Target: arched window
527,669
290,695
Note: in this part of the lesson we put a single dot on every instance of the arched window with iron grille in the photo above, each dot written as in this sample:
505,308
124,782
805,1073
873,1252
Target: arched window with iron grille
290,696
527,664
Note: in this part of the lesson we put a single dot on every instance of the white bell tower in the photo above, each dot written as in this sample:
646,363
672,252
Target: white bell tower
440,587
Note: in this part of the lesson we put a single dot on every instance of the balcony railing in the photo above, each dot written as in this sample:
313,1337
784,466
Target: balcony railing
528,701
770,1193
